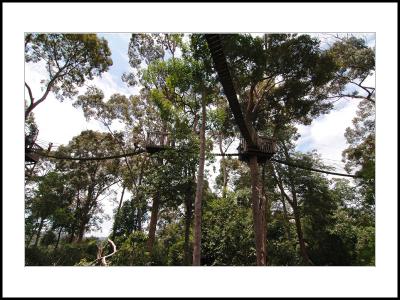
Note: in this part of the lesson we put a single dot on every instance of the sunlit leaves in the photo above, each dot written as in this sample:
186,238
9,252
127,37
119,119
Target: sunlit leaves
70,59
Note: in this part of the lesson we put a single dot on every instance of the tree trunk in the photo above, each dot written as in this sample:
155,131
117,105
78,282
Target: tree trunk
72,236
285,217
188,219
299,231
31,236
140,207
120,200
223,166
38,232
267,211
153,223
296,212
117,212
83,222
81,232
258,205
199,188
30,239
285,214
58,238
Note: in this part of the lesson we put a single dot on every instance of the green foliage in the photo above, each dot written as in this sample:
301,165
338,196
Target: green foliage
128,218
70,59
227,234
131,250
360,154
365,246
287,74
65,255
52,196
354,58
49,238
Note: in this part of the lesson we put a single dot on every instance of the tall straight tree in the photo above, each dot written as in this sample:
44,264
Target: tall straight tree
279,79
199,187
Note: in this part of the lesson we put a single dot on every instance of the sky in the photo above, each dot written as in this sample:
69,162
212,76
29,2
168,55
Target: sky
59,121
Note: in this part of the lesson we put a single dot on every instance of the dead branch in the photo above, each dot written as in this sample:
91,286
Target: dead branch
101,258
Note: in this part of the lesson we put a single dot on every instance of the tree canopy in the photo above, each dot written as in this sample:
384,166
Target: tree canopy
178,197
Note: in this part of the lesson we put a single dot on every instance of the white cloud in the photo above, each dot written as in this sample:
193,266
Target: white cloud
326,133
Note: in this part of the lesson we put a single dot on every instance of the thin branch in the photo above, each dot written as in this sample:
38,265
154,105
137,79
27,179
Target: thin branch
30,93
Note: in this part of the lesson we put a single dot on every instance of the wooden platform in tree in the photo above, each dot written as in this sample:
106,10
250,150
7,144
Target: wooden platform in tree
265,149
158,141
31,147
30,156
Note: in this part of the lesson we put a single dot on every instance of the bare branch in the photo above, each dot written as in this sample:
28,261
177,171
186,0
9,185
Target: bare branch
30,93
103,258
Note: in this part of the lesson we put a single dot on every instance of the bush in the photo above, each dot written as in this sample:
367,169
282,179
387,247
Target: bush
66,255
131,250
35,256
49,238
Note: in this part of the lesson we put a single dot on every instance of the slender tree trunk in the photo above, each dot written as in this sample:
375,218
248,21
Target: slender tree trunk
32,235
81,232
154,215
153,223
285,217
117,212
76,218
140,207
30,239
120,200
72,235
188,221
223,166
58,238
83,222
258,206
38,232
267,211
199,188
285,213
299,230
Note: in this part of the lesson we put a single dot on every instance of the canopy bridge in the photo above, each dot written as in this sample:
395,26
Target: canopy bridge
251,144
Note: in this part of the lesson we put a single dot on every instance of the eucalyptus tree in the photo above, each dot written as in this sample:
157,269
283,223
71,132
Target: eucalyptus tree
177,82
137,117
356,64
90,179
360,153
292,182
52,195
222,130
279,79
69,59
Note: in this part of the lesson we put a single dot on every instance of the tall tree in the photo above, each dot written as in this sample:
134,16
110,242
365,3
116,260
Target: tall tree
90,179
280,79
356,63
360,154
